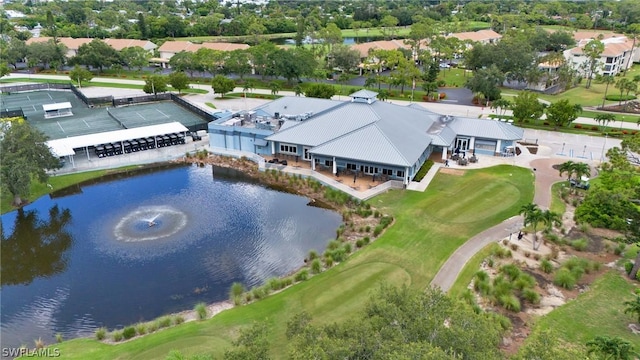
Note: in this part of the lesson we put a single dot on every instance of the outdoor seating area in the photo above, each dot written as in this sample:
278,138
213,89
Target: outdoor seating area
141,144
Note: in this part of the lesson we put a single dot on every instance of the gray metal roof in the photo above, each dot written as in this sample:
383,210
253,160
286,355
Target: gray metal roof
289,123
295,105
365,94
327,126
486,128
368,144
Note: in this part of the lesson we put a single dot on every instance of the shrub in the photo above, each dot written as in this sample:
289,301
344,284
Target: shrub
594,128
152,326
565,279
531,296
482,276
276,284
316,266
490,262
510,302
302,275
577,126
259,292
620,249
313,254
347,248
512,271
514,247
128,332
628,266
536,256
235,293
328,261
483,287
423,170
101,333
366,240
524,281
378,230
333,244
338,255
288,281
367,228
141,328
117,335
164,321
618,97
505,242
638,275
386,221
359,243
177,320
546,266
579,244
201,311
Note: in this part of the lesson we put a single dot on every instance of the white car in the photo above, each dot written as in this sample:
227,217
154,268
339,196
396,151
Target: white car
444,65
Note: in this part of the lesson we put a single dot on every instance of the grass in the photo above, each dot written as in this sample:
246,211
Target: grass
96,84
557,204
428,228
470,268
598,311
619,117
59,182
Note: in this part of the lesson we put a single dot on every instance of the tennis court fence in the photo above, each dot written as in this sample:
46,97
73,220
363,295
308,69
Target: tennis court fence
132,100
7,113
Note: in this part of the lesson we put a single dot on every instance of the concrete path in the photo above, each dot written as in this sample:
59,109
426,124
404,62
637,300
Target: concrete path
426,180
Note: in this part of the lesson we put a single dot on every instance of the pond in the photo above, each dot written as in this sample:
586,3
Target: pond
136,247
345,41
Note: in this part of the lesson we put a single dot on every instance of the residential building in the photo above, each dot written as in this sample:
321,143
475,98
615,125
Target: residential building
73,44
364,135
170,48
487,36
619,52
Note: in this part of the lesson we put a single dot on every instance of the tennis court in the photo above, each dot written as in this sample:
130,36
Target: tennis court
87,120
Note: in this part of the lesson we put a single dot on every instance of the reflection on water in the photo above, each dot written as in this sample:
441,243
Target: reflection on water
36,247
71,276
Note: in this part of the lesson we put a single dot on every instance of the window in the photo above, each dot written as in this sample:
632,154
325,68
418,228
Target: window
387,172
400,173
306,155
328,163
609,60
351,166
485,145
288,149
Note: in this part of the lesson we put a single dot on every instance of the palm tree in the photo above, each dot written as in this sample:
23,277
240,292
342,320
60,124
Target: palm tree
567,167
550,218
633,306
298,90
275,87
607,79
501,105
581,169
604,119
532,216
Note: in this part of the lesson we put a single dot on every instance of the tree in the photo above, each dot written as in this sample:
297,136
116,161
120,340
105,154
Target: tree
343,57
500,105
321,90
604,119
135,56
592,50
614,348
97,54
532,216
237,62
297,89
179,80
388,24
13,51
4,70
551,219
275,87
25,156
184,61
400,323
80,75
430,87
633,306
46,53
607,79
142,25
221,85
487,82
546,345
331,35
36,248
155,84
562,113
252,344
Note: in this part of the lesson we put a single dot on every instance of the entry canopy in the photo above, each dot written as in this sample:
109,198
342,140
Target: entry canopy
64,147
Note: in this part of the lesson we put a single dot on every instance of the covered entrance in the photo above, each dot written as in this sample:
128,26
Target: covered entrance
462,144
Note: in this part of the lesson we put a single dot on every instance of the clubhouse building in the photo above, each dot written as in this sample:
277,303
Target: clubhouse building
363,136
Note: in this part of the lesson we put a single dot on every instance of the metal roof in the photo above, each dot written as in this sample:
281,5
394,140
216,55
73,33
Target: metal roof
327,126
56,106
486,128
65,146
289,123
365,94
295,105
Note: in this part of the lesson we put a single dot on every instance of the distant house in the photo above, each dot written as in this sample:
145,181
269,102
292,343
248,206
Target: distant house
73,44
482,36
619,52
365,50
363,135
170,48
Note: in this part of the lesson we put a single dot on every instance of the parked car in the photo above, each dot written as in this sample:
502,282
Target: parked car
580,184
444,65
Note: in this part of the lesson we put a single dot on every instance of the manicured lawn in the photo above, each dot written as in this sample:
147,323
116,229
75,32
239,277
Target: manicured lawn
410,252
96,84
619,117
60,182
598,311
454,77
557,204
470,269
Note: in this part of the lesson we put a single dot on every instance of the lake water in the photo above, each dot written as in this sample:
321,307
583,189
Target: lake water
89,258
345,41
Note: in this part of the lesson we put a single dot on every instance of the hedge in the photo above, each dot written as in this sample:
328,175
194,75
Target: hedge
616,97
423,170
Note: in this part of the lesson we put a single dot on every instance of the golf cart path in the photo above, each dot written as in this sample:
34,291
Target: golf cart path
545,177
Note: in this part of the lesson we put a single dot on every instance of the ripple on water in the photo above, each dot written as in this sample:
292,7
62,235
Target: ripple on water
150,223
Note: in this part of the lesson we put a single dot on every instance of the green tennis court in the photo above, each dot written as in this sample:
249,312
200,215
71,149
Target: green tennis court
85,120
